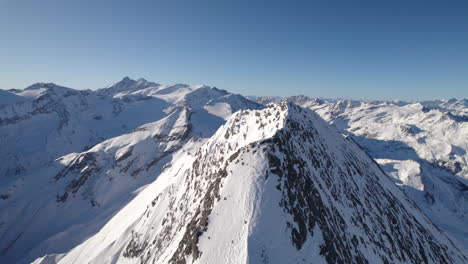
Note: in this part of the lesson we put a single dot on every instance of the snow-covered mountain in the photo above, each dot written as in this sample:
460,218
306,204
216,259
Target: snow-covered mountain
277,185
139,172
54,202
423,145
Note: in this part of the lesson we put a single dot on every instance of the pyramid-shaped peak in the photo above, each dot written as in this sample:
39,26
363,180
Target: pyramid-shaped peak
312,194
125,82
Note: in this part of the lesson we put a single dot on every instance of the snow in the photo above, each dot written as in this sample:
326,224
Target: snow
407,171
32,93
222,110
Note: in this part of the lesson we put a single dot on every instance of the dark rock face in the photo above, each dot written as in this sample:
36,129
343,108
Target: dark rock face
84,165
199,222
303,200
134,247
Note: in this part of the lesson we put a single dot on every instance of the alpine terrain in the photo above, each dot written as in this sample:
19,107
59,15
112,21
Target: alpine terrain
277,185
140,172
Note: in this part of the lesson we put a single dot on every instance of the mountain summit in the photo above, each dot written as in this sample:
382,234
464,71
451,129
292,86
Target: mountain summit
276,185
127,85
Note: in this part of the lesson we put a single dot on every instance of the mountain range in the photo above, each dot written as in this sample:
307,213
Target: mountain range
139,172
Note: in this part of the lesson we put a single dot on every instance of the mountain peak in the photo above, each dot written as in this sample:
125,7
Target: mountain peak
266,122
127,85
125,81
40,89
325,182
42,85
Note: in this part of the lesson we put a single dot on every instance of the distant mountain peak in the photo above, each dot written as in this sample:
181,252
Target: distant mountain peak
127,85
41,85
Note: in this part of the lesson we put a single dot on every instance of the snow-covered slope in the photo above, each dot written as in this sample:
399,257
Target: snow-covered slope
80,191
272,186
423,145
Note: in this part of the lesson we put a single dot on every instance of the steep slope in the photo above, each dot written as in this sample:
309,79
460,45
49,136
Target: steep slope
80,191
423,145
271,186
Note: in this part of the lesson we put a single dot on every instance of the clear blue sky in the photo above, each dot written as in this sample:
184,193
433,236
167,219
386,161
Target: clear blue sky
354,49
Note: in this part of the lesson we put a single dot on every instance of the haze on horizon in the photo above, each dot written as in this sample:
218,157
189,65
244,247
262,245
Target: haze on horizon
367,49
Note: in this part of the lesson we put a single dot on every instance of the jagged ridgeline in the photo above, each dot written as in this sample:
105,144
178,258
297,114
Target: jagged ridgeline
276,185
